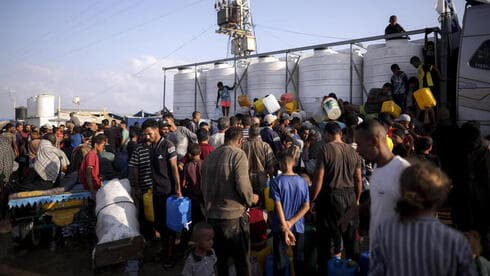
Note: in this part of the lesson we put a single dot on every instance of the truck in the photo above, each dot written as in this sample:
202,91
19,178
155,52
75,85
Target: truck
473,72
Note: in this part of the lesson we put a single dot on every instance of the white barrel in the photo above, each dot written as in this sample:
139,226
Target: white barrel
271,104
32,107
117,217
267,75
379,58
328,71
45,105
185,94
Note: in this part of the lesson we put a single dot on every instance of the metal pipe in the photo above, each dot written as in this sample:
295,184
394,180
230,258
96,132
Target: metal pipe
234,85
164,89
287,74
195,87
299,49
350,74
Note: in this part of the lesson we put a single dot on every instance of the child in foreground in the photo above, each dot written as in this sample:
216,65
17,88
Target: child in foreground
202,259
417,243
291,199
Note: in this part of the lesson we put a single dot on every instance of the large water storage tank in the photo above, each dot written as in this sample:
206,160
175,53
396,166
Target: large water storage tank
267,75
45,105
379,58
32,107
20,113
325,72
185,92
225,73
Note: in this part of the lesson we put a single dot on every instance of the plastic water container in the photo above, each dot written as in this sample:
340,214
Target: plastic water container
364,263
178,213
338,267
259,105
148,205
287,97
260,257
269,203
424,98
291,106
269,266
331,108
243,100
391,108
271,104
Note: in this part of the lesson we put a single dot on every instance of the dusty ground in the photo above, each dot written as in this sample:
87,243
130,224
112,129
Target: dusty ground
74,258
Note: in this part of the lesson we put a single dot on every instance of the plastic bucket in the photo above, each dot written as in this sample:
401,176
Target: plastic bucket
331,108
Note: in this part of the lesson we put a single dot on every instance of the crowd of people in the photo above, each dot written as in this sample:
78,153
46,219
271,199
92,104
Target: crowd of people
357,178
326,175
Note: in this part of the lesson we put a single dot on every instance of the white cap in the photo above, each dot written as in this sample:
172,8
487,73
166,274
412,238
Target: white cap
403,118
48,126
269,119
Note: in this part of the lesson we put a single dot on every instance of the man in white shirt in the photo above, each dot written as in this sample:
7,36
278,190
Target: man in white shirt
218,139
384,188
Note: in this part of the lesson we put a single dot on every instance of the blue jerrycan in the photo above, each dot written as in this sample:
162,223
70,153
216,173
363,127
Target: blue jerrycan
178,213
269,266
338,267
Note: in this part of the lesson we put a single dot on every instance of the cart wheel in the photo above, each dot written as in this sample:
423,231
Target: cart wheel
35,236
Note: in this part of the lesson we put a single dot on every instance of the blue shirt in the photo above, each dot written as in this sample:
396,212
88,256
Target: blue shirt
75,140
271,137
225,93
292,192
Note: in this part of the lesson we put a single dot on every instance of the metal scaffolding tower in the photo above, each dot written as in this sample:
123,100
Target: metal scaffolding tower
235,20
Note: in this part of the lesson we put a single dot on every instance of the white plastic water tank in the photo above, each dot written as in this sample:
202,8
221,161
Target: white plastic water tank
185,93
32,107
328,71
267,75
221,72
379,58
45,105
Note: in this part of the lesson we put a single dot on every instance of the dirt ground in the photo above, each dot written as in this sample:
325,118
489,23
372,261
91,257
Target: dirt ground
72,258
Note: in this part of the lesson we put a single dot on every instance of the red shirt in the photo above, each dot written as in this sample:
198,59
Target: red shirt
206,149
90,160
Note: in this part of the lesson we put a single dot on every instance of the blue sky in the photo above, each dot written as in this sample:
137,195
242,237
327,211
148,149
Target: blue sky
93,48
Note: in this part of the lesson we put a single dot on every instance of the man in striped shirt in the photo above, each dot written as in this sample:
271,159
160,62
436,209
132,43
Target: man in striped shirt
140,176
416,243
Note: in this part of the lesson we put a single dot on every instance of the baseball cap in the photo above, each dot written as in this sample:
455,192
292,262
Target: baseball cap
403,118
47,126
269,119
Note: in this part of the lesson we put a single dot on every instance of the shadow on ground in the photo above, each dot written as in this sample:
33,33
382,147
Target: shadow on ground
71,258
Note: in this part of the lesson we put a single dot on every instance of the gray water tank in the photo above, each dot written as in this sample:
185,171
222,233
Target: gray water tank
20,113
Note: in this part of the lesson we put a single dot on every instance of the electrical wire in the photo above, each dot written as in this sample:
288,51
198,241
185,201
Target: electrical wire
300,33
228,47
278,38
136,74
131,28
51,35
134,27
110,16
